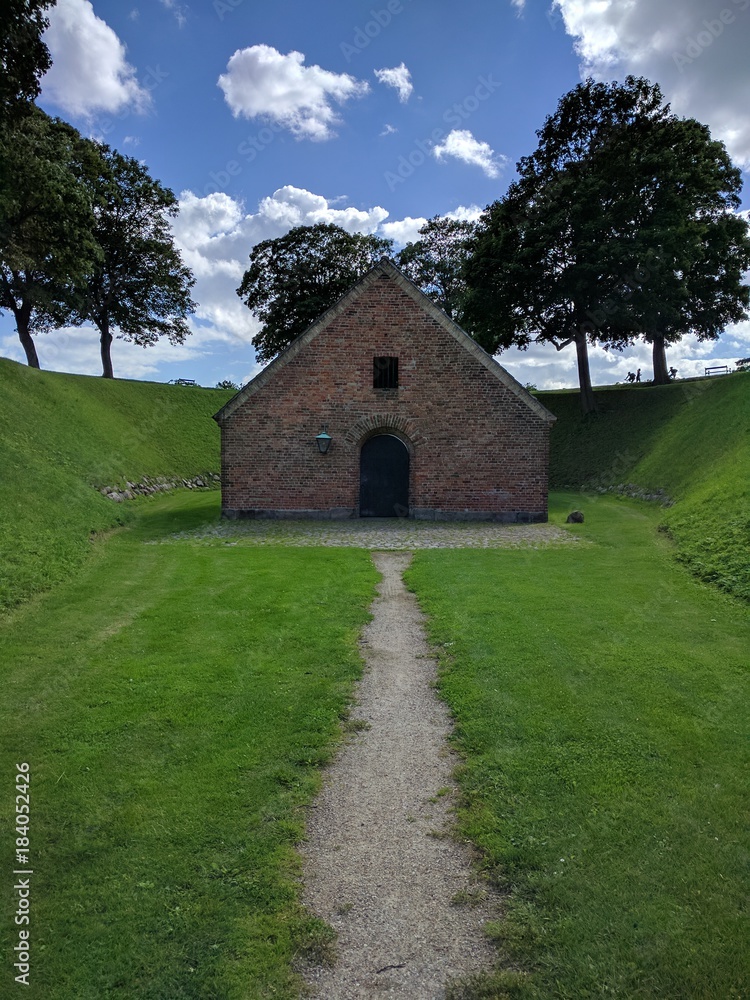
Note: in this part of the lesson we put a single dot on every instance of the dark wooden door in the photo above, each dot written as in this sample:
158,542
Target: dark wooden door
384,477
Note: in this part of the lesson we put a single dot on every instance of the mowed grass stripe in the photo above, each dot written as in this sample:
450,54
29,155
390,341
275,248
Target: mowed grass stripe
175,705
601,705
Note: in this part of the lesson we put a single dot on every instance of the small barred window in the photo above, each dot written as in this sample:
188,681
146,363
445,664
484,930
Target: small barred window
385,373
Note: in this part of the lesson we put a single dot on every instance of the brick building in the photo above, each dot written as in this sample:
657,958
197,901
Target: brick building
416,418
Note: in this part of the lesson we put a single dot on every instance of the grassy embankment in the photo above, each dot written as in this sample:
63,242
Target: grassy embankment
62,435
690,440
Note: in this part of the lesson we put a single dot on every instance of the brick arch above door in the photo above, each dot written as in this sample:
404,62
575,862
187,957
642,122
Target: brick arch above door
382,423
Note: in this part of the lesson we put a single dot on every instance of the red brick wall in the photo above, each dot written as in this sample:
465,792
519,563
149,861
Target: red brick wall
476,449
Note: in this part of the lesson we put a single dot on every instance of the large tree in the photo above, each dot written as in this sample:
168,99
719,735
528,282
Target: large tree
603,236
687,248
296,277
139,286
24,57
46,220
436,262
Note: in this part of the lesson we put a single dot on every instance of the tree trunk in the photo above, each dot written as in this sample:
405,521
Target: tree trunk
105,340
661,375
23,317
588,403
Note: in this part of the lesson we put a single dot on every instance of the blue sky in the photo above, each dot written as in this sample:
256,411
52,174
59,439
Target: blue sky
374,115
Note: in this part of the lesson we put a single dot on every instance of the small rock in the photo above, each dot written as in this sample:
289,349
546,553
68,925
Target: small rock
575,517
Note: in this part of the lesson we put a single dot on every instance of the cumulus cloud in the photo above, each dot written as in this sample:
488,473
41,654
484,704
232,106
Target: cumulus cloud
403,231
260,82
399,78
466,213
216,235
698,55
461,145
89,70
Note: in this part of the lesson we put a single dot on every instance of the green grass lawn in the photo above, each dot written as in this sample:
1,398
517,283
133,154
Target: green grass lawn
174,704
601,705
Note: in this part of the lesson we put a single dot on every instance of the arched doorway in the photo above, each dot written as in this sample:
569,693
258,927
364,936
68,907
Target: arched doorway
384,477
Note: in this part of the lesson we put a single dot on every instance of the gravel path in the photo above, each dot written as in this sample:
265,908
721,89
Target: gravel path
373,867
374,533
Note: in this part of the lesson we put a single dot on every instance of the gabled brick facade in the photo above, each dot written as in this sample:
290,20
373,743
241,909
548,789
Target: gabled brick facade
477,442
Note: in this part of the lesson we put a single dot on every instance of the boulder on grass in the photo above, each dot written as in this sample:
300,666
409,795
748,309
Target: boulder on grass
575,517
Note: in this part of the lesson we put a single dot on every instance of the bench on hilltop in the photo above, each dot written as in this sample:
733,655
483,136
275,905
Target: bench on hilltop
718,370
182,381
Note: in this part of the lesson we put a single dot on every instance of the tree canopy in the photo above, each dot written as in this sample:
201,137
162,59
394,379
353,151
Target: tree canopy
46,220
620,224
437,261
293,279
24,57
138,285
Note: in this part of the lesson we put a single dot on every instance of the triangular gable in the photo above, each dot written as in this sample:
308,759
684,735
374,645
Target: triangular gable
384,267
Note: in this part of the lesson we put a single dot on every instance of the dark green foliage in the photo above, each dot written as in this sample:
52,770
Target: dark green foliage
436,262
139,285
292,280
621,224
24,57
46,220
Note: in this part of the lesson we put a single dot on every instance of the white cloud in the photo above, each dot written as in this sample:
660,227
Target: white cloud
403,231
462,145
76,349
89,70
697,53
465,213
216,235
519,5
261,82
389,130
399,78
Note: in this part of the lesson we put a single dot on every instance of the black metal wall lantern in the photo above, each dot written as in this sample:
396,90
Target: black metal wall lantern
324,440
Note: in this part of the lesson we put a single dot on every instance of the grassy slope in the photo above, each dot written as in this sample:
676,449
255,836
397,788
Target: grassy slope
600,697
689,439
61,435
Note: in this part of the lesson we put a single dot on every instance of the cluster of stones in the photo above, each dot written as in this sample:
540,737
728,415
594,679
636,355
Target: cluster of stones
147,486
638,493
